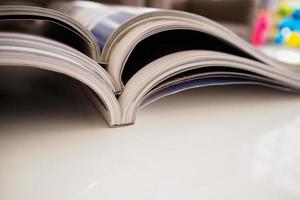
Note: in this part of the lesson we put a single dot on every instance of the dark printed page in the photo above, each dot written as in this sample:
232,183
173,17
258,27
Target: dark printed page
101,20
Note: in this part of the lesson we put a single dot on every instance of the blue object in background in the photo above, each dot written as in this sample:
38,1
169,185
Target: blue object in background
291,23
296,14
280,39
287,26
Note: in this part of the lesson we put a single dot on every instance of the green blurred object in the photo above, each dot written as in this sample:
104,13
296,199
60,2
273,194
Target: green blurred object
285,11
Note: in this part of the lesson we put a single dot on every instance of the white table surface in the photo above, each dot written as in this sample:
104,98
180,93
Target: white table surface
233,142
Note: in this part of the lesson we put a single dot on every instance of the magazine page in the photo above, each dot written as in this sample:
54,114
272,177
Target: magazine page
49,24
204,81
141,88
102,20
23,50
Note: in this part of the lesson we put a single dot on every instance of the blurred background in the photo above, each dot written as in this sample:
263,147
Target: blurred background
271,25
258,21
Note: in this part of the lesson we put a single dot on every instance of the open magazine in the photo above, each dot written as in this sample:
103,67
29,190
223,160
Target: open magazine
128,57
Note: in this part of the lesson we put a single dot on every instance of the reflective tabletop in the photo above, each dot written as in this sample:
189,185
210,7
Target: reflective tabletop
231,142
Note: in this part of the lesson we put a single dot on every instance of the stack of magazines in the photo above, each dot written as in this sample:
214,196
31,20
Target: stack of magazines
128,57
